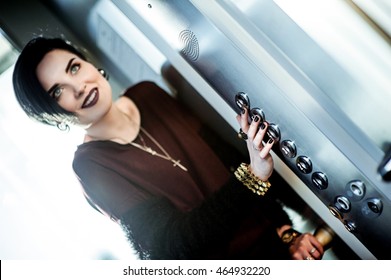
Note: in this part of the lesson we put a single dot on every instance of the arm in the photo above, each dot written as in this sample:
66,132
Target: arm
305,246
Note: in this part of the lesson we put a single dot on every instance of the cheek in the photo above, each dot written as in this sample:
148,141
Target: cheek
91,73
67,103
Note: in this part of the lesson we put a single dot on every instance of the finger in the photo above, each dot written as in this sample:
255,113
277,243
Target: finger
253,129
315,244
314,248
238,118
318,246
266,149
315,253
260,135
244,120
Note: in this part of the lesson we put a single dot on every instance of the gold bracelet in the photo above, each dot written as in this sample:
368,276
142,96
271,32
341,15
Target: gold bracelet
252,182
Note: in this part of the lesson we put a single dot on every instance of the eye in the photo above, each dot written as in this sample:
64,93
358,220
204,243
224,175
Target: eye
75,68
56,93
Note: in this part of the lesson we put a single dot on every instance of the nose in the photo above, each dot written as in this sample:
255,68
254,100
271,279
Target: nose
81,91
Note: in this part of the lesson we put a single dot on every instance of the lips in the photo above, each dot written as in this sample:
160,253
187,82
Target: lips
91,98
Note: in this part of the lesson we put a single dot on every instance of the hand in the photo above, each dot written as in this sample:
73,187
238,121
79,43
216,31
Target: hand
261,162
306,247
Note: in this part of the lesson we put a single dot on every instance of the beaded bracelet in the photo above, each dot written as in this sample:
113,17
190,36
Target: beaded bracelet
252,182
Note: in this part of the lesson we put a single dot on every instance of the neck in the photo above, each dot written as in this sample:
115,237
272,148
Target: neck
116,125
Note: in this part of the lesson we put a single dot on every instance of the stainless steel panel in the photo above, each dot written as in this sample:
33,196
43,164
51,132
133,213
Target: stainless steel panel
248,61
348,60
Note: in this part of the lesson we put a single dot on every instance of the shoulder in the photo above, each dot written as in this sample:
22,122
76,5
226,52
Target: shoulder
141,93
83,155
141,89
91,153
126,102
93,160
144,86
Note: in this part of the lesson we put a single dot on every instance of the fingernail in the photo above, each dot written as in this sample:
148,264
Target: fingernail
270,140
256,119
263,125
243,111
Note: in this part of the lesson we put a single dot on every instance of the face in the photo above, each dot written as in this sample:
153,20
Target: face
76,85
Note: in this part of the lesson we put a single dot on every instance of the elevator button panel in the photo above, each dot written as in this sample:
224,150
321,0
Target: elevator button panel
348,206
286,95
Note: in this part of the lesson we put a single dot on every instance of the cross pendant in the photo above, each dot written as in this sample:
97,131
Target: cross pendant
177,163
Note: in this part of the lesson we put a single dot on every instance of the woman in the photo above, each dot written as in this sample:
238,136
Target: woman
145,163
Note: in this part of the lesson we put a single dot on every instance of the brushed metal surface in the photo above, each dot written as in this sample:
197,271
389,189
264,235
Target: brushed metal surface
206,37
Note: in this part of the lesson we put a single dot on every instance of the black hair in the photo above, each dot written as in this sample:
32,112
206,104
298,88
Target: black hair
30,94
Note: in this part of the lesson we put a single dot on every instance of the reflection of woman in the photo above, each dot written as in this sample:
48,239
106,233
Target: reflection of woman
145,163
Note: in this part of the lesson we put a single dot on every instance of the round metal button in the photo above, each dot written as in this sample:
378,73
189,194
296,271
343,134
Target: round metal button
242,100
350,226
257,112
288,148
342,203
273,132
304,164
319,179
355,190
372,207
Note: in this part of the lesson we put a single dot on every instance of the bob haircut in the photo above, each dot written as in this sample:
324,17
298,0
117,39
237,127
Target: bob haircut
33,99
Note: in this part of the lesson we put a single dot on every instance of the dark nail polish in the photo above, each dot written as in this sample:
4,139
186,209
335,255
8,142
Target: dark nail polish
263,125
270,140
256,119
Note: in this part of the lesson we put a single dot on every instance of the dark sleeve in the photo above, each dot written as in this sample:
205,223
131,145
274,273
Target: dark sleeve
274,212
159,231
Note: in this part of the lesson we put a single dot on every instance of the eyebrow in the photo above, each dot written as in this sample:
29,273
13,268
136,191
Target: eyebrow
52,88
66,71
69,64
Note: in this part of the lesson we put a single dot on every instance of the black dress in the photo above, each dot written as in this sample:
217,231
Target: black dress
167,213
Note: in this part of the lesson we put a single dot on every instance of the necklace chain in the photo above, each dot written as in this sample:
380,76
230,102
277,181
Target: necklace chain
151,151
